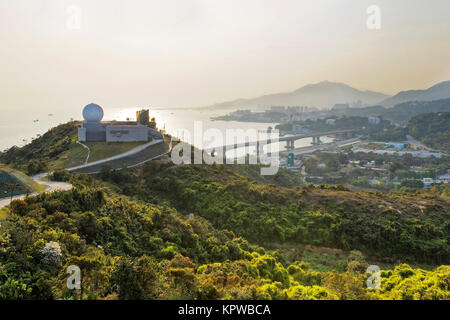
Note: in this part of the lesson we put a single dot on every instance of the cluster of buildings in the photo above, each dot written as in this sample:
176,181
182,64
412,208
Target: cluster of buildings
289,109
370,120
345,106
445,178
93,129
290,113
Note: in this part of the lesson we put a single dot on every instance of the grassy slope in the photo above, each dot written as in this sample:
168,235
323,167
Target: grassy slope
28,183
148,153
102,150
58,148
42,149
76,154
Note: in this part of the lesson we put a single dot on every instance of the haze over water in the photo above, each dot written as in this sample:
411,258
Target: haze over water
19,130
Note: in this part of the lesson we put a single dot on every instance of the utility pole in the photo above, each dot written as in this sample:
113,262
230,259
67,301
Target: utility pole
12,187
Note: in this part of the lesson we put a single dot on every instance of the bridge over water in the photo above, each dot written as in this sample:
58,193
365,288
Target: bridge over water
290,140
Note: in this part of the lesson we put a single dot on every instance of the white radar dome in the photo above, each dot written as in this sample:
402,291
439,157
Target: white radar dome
93,113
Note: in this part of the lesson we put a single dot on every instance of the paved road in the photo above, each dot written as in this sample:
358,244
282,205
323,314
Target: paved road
128,160
127,154
418,143
132,158
51,186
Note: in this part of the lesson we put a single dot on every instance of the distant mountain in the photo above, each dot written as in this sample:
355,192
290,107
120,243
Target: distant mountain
403,112
320,95
436,92
399,114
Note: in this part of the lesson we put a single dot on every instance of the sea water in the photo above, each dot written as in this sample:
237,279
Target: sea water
19,128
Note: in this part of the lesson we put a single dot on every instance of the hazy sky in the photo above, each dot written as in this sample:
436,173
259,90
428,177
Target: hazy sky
185,53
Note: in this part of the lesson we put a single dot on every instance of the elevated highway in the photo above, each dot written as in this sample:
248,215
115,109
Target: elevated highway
290,140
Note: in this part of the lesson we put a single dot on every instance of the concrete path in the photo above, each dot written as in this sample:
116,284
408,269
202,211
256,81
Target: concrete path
140,163
51,186
89,151
127,160
119,156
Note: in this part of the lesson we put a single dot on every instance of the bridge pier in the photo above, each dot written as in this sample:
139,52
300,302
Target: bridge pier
315,141
290,144
259,148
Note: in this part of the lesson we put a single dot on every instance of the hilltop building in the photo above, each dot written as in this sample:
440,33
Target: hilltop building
93,129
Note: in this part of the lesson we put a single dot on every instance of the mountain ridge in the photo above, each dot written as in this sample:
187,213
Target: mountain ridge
319,95
438,91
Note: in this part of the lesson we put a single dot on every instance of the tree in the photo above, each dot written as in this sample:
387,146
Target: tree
311,165
126,279
12,187
51,254
412,183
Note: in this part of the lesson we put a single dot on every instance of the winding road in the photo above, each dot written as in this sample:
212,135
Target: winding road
51,186
63,186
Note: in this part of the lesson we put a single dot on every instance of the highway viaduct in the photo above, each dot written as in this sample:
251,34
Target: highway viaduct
290,140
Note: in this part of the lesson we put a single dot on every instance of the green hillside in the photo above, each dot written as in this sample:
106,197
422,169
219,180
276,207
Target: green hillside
35,156
403,112
382,225
133,249
161,231
433,129
58,148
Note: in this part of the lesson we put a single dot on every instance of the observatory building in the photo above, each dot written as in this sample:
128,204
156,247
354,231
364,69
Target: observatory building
94,129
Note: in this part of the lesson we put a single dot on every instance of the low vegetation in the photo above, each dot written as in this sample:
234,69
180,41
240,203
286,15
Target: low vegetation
379,224
35,156
130,249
